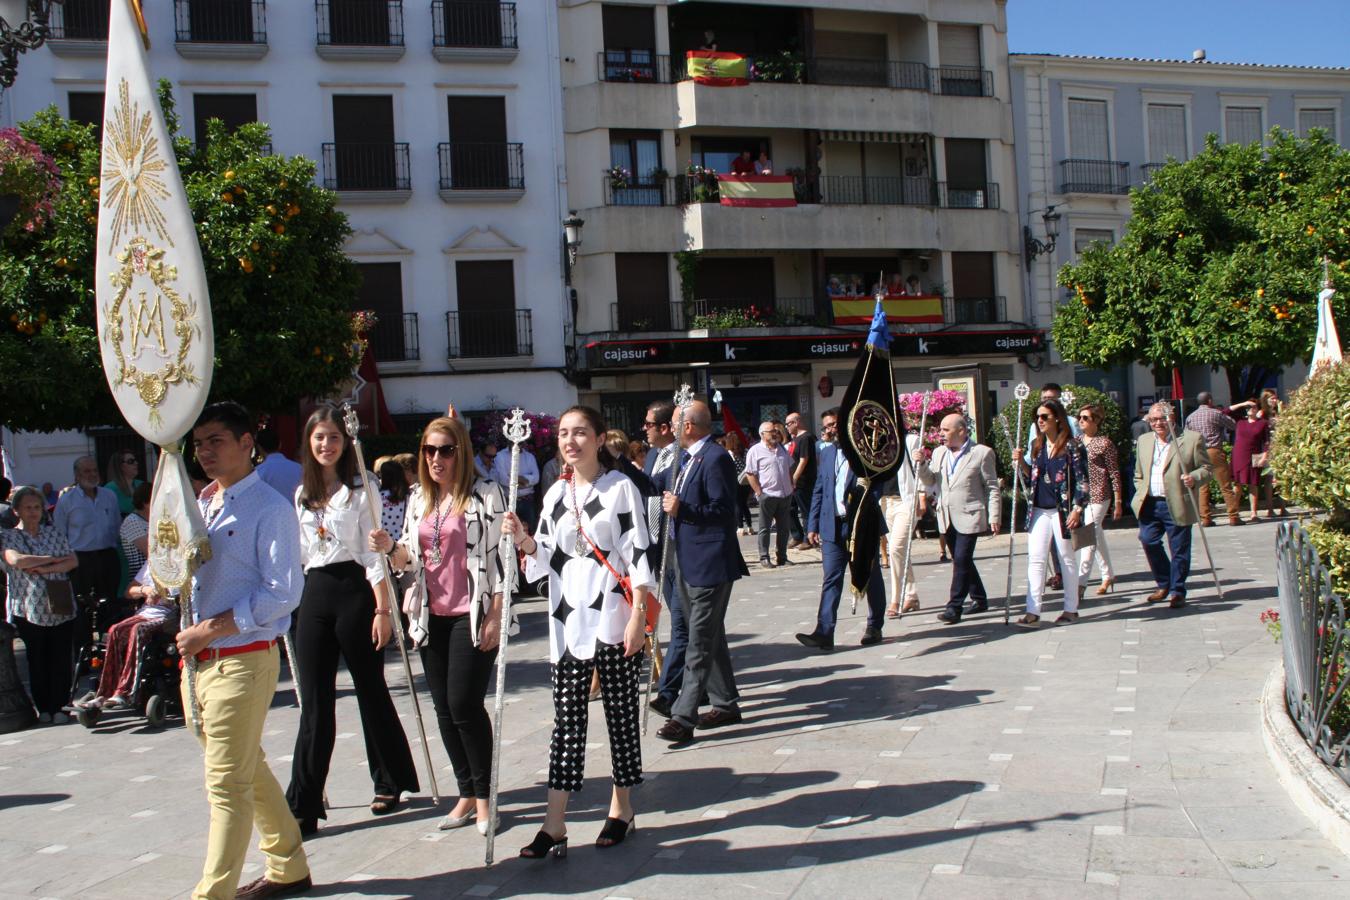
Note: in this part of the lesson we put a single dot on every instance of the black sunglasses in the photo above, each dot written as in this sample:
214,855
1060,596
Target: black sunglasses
1041,417
444,451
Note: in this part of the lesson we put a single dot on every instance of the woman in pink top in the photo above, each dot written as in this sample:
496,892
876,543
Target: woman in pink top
451,539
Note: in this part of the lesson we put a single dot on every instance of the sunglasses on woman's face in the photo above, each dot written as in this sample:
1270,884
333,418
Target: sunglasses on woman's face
1085,418
1042,417
444,451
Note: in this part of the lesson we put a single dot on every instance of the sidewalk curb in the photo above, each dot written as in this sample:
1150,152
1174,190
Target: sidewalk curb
1320,794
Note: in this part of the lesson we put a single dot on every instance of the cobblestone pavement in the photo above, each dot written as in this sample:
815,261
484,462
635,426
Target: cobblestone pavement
1118,757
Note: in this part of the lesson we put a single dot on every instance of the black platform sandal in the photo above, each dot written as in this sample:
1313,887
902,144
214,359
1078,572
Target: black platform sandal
383,804
543,845
615,831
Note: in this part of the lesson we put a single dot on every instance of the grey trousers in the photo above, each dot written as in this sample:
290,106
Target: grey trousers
774,512
707,659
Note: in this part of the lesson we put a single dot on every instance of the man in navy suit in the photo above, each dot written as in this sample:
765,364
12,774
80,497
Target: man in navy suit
660,465
828,528
705,560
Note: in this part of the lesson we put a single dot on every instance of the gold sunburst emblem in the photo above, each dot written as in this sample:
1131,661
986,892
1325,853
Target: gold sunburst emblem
133,168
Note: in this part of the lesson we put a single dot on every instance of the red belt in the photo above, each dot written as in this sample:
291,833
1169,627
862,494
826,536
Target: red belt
222,652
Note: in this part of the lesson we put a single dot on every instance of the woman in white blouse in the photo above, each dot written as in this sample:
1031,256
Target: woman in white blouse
451,542
592,531
344,612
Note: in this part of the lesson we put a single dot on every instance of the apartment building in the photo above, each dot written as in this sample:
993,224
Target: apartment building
438,124
1088,129
888,130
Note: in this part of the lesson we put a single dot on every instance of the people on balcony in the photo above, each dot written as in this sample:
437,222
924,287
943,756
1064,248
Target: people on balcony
743,164
912,287
763,165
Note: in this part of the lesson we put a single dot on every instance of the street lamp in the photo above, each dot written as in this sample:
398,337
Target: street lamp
23,27
1035,248
572,235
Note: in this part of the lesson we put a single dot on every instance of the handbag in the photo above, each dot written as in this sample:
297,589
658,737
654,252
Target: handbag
1259,460
625,584
60,598
1083,536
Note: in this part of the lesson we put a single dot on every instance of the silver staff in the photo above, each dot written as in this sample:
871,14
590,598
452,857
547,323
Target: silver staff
914,502
683,397
516,429
353,423
1020,393
1190,500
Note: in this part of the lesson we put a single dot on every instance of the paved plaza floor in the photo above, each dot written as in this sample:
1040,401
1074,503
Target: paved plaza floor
1117,757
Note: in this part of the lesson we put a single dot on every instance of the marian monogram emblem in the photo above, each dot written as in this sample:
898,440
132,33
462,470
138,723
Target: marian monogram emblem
149,325
874,435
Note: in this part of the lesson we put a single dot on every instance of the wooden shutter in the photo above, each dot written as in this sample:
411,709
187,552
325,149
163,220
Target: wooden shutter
487,307
232,109
642,291
382,292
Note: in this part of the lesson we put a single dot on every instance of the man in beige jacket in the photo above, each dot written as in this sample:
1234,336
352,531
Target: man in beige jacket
1167,467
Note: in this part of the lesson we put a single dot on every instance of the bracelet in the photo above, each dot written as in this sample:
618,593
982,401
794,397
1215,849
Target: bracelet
380,611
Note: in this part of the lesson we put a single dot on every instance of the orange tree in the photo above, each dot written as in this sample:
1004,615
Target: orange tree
281,287
1220,264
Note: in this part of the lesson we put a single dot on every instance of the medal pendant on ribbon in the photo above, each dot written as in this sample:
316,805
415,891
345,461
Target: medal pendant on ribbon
435,556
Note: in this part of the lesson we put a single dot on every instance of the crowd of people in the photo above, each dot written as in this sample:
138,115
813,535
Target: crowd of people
616,529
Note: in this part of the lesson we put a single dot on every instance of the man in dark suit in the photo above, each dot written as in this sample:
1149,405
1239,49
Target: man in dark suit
705,560
828,528
660,465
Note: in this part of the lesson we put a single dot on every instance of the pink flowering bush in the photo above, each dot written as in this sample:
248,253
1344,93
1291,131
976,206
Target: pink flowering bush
940,404
31,175
1271,619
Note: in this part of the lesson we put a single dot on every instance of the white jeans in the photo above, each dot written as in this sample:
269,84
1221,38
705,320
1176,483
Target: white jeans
1045,532
899,515
1096,517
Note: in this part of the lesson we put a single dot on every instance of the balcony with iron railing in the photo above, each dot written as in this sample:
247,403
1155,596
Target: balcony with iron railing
974,310
79,28
481,172
639,316
473,30
659,315
368,173
1147,170
220,29
489,334
396,341
830,190
360,29
1094,176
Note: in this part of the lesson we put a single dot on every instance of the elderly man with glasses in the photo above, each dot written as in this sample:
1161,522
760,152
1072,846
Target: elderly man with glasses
1168,466
768,470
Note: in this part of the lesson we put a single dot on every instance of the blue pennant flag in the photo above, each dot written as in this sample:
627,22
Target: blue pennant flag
880,334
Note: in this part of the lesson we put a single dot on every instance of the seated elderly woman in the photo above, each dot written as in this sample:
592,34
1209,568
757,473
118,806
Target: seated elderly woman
116,686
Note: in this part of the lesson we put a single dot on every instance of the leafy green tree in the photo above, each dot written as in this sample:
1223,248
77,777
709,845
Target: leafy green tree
281,287
1220,264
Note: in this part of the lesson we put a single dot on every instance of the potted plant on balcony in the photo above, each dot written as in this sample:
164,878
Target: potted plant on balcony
702,184
619,177
786,66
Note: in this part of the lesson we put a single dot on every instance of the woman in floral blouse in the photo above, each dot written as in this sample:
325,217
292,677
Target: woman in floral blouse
1057,484
33,554
1103,473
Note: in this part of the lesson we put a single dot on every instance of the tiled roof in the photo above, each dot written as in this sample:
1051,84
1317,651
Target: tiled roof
1189,62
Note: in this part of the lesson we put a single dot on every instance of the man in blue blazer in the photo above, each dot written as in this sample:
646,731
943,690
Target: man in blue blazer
662,453
705,560
828,528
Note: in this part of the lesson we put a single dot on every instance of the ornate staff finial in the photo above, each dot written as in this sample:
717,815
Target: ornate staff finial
1022,391
1067,397
516,428
684,396
351,421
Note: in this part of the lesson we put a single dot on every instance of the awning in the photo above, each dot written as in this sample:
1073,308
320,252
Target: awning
875,137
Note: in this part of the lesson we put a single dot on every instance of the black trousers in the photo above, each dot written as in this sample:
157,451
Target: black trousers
619,677
48,648
334,620
965,577
458,674
97,575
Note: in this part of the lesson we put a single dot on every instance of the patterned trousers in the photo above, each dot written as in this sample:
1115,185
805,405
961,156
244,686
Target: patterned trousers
619,677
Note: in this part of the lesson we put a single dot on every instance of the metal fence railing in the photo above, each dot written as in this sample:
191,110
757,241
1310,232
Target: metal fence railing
974,310
867,189
79,20
962,81
734,312
473,23
469,166
1315,638
646,315
360,23
367,167
396,341
221,21
984,196
1094,176
487,333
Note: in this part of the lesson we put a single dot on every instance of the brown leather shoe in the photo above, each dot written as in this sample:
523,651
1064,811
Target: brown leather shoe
1236,520
1177,602
1206,522
260,888
718,718
1159,594
676,732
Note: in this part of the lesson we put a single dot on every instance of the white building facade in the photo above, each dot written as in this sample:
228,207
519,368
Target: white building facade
438,125
1088,129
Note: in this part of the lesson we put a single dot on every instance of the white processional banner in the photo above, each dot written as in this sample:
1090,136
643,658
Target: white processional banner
1327,346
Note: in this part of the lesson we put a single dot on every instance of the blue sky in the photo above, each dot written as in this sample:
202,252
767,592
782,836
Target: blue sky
1292,32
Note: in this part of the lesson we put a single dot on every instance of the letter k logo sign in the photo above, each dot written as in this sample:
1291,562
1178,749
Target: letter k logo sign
730,351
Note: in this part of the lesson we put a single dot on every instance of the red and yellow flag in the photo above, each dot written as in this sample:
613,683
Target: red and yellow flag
717,69
899,308
756,190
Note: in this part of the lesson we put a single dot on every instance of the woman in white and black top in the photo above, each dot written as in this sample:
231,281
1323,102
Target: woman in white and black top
592,530
451,543
344,612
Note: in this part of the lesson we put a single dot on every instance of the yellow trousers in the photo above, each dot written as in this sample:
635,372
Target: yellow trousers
234,694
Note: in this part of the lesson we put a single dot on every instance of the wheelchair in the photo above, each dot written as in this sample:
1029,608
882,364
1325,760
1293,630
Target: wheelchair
155,685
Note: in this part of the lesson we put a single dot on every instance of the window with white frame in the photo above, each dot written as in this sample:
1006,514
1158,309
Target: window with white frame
1084,238
1313,117
1166,132
1089,132
1242,124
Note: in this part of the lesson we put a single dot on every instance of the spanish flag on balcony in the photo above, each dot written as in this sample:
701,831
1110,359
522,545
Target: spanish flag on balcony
756,190
899,308
717,69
